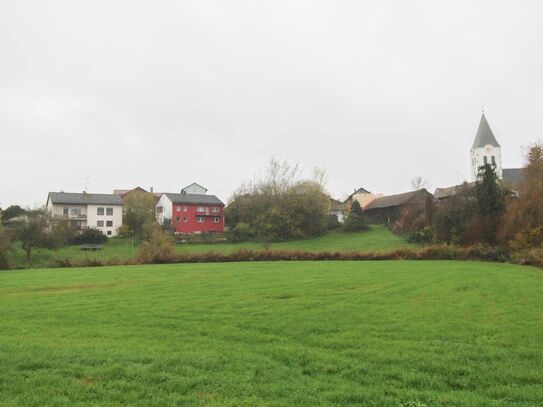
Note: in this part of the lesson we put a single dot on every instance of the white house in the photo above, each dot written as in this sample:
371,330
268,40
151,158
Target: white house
99,211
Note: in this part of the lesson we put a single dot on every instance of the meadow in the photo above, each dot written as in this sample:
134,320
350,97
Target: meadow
376,238
377,333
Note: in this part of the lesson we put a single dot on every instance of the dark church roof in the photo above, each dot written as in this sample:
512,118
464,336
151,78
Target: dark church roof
484,135
513,176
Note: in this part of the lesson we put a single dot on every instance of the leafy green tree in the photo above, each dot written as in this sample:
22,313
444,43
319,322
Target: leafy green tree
281,206
354,221
490,204
138,212
32,231
12,212
524,213
60,232
452,221
90,236
5,246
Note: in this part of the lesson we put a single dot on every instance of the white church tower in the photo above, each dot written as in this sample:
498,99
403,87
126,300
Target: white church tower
485,150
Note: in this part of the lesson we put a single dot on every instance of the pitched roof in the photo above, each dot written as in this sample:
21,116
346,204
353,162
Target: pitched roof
336,205
513,175
123,192
194,184
484,135
358,191
394,200
442,193
194,199
72,198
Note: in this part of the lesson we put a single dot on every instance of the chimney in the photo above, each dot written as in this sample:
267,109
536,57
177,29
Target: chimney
151,189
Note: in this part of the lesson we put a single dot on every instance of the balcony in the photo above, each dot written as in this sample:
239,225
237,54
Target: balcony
75,217
208,213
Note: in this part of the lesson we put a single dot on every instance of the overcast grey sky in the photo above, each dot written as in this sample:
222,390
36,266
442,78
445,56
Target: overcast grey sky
164,93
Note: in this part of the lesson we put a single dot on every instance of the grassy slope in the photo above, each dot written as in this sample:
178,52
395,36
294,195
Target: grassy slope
376,238
325,333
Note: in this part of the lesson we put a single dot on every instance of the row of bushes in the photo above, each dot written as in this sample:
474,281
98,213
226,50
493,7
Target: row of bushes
442,252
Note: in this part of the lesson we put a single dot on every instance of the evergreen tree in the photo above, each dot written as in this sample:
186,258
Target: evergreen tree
355,219
490,203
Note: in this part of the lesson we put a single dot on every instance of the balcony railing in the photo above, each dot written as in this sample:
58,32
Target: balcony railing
207,214
75,217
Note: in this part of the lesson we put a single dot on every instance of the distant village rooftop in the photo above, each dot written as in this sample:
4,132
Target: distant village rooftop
84,198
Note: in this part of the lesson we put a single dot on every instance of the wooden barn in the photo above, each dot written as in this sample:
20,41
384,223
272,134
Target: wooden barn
396,210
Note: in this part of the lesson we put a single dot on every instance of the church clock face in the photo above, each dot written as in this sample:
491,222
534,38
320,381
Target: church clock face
488,148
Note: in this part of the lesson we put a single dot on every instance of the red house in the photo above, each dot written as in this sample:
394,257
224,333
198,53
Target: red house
191,212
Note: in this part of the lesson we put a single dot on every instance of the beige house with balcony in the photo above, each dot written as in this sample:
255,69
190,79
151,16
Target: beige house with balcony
85,210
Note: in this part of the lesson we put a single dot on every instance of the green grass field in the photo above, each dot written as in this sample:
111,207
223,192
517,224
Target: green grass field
273,334
375,239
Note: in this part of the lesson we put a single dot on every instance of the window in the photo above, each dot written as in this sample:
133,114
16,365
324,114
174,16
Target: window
109,232
159,209
65,211
100,211
177,219
178,208
100,223
216,219
493,160
109,211
200,219
75,211
109,223
485,159
215,209
200,209
185,219
185,208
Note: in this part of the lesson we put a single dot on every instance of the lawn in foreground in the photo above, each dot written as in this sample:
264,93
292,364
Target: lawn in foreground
376,238
292,333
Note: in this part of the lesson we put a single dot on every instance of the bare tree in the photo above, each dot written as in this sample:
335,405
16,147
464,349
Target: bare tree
419,183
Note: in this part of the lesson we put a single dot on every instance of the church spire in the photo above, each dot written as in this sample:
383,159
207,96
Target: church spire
484,135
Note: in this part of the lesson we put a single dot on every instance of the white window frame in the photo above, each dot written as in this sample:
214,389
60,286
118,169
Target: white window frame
215,209
109,210
109,221
200,209
178,208
100,224
100,209
216,219
200,219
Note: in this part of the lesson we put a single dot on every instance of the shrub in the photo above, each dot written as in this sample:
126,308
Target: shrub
90,236
124,231
281,206
354,221
159,248
332,222
5,249
242,232
423,235
528,239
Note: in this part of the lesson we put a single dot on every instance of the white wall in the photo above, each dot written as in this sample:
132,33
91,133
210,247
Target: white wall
166,204
477,160
116,218
194,189
57,210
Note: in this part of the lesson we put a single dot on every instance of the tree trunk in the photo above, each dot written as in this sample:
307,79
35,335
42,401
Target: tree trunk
28,253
